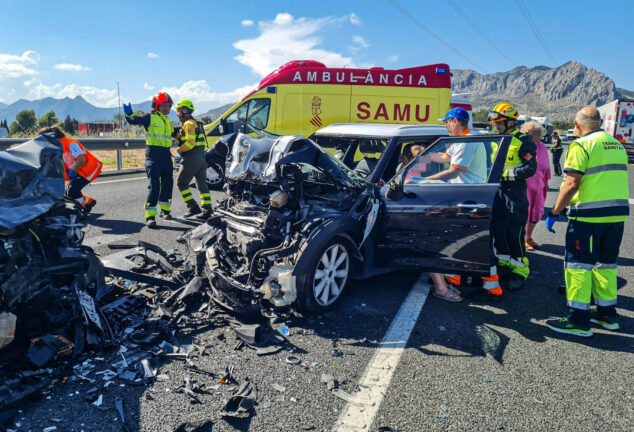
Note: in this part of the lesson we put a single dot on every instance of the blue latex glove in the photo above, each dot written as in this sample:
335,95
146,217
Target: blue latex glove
127,109
71,173
418,178
550,221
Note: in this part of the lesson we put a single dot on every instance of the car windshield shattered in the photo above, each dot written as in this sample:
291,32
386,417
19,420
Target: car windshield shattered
279,192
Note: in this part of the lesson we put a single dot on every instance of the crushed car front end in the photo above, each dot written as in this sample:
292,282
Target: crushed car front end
284,197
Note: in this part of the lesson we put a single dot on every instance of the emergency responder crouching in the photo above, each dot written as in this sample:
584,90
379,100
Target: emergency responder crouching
191,139
596,187
80,167
158,158
510,206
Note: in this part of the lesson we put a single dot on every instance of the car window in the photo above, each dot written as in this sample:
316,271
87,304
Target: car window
258,115
237,118
453,161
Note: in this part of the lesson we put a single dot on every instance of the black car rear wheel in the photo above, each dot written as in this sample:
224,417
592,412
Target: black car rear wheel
325,278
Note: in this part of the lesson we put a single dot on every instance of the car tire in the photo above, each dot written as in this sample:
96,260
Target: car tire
322,279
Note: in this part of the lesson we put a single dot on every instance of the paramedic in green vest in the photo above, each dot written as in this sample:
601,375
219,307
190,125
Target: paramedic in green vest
158,157
595,188
510,206
191,140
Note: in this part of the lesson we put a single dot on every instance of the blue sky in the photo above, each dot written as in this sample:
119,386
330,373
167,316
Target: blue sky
214,52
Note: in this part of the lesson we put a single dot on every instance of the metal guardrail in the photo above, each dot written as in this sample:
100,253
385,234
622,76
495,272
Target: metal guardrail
113,144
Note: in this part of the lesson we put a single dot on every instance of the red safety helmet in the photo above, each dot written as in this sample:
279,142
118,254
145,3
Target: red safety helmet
160,98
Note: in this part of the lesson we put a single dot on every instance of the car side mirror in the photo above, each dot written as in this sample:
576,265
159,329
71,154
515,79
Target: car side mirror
395,192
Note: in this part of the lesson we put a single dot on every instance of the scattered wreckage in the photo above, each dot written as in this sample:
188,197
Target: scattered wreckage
59,302
297,223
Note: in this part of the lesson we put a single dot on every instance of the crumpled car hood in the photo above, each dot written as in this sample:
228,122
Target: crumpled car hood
256,159
31,180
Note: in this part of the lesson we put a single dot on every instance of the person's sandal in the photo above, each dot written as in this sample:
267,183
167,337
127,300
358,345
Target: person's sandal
454,289
531,244
449,296
528,247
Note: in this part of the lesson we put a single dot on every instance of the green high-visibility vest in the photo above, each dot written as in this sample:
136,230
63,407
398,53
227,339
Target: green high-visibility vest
603,194
160,131
513,156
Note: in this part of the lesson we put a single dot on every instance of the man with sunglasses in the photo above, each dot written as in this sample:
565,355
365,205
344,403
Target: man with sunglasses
510,207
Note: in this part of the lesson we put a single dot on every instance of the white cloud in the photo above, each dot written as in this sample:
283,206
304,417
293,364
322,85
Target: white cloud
147,86
72,67
199,92
246,23
152,55
35,89
12,66
358,43
286,38
393,59
354,19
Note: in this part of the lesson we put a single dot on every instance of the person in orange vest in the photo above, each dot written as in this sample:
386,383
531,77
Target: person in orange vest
80,167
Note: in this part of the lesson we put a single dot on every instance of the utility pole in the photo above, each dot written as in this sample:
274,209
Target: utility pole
119,105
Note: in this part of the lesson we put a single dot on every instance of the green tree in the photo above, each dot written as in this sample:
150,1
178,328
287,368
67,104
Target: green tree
206,120
70,125
24,122
481,116
48,119
563,124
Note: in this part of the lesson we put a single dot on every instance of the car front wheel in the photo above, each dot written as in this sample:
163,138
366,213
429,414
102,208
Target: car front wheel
326,277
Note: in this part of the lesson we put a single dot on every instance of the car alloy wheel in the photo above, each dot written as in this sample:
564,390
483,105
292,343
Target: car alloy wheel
331,274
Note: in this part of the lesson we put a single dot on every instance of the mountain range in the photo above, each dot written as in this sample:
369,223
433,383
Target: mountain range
557,92
82,110
541,91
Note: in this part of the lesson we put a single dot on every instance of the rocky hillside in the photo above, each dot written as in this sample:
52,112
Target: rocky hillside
541,91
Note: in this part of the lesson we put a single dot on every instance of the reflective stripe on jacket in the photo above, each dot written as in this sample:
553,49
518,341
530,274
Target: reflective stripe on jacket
513,156
89,170
160,130
192,140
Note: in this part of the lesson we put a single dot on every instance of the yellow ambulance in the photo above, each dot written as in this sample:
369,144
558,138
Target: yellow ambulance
303,96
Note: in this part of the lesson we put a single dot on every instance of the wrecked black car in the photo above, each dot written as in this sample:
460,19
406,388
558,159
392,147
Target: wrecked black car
298,222
48,280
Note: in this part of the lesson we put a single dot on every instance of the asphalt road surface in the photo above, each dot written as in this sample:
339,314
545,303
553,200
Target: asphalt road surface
420,364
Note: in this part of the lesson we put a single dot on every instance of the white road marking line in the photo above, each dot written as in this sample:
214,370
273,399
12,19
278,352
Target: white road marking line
105,239
117,181
378,374
632,201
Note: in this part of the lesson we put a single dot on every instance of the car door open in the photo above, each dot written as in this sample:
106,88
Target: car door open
440,219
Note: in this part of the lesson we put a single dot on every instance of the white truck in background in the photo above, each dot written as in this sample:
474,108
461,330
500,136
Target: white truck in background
618,121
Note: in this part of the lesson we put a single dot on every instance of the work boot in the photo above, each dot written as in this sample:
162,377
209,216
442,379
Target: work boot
88,207
567,326
166,215
206,214
605,321
150,222
516,282
193,211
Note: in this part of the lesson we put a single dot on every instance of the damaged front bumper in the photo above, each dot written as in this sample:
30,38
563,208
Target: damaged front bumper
269,276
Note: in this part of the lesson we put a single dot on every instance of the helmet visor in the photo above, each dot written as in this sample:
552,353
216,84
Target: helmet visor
496,117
